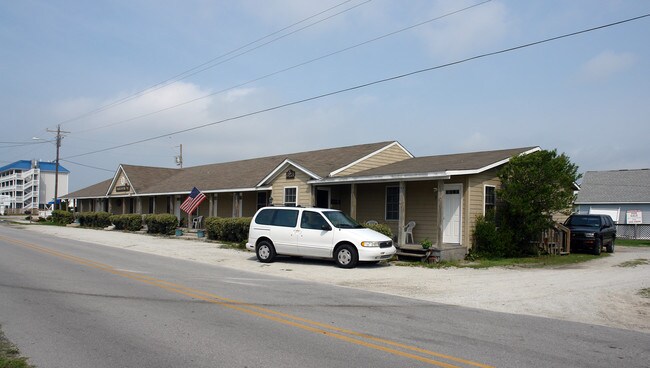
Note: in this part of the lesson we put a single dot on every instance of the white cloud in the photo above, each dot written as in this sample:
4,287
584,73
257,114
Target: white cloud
468,31
606,64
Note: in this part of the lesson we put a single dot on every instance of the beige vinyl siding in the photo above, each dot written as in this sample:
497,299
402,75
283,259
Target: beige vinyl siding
249,205
161,204
385,157
371,204
422,207
300,182
118,183
224,207
476,192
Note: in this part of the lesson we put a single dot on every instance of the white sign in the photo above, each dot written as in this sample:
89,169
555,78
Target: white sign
634,217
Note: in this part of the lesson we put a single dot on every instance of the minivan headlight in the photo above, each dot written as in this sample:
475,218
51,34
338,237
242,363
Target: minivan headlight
370,244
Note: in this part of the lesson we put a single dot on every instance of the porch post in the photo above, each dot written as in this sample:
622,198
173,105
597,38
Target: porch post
312,195
440,212
216,204
81,205
153,207
110,205
138,205
401,221
210,204
353,201
177,206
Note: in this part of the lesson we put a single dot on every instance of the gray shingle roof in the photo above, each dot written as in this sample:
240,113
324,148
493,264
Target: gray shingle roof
618,186
94,191
441,163
231,175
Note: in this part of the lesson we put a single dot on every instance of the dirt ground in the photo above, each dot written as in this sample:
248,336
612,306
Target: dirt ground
598,292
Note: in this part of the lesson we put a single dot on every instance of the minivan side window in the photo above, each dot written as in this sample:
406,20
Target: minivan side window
286,218
264,217
312,220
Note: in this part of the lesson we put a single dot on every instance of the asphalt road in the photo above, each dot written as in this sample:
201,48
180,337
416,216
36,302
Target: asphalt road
72,304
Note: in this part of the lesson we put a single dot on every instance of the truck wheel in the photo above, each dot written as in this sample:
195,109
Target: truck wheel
598,246
611,246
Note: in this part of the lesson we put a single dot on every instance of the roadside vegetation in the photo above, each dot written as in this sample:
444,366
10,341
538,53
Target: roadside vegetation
10,356
633,242
635,262
644,293
517,262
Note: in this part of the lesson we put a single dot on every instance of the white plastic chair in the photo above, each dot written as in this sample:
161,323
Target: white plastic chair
371,222
408,230
197,222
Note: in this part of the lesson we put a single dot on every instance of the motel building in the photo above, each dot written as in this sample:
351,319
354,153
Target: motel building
443,195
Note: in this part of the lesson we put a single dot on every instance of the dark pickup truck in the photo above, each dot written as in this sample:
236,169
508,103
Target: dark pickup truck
592,232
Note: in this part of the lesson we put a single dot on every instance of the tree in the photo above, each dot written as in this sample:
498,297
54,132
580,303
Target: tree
533,188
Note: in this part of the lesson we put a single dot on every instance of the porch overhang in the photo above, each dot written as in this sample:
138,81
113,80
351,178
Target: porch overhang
383,178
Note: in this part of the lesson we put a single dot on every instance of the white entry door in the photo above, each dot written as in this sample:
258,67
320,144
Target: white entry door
451,221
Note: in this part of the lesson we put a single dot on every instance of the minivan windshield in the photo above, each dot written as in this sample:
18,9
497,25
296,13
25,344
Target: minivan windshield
341,220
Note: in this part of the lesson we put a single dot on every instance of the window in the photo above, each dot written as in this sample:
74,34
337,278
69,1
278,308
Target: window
490,199
262,200
312,220
287,218
392,203
290,196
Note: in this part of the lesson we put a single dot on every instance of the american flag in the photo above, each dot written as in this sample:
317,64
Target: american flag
193,201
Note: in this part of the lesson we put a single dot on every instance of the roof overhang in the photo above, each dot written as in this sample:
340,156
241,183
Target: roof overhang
382,178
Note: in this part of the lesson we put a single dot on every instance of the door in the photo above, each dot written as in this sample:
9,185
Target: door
323,198
451,221
315,237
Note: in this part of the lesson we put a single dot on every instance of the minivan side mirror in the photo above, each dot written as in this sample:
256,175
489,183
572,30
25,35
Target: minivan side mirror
326,227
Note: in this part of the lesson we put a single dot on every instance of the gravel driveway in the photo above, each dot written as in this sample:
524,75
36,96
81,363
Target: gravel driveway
600,292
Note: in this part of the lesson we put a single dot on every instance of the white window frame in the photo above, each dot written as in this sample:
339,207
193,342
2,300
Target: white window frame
484,196
386,203
284,196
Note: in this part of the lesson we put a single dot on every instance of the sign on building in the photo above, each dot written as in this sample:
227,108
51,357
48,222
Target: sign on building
634,217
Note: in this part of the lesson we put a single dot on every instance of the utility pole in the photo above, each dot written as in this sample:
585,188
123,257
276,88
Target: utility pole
58,132
179,159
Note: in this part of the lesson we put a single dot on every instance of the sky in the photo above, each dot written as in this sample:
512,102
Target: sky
112,73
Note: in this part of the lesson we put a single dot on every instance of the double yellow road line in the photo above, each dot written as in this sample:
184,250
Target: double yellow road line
353,337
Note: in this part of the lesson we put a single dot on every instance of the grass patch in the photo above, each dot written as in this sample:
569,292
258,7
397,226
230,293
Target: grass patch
644,293
232,245
634,262
526,262
633,242
10,356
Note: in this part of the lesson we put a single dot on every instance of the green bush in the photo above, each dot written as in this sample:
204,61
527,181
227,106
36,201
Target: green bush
490,241
61,217
94,219
228,229
381,228
128,222
164,223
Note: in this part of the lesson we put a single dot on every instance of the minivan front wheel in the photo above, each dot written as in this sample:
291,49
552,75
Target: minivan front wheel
346,256
265,252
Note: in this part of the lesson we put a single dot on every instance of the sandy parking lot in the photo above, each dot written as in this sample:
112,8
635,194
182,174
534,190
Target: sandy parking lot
599,292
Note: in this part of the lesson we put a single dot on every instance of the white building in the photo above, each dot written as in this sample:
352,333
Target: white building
30,184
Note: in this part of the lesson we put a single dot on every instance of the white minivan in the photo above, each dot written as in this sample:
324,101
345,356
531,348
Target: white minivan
315,232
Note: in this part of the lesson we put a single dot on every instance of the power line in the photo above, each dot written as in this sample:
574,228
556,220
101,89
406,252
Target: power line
277,107
285,69
88,166
206,65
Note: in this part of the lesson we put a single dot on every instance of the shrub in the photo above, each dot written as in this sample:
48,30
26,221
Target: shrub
381,228
61,217
228,229
94,219
129,222
164,223
491,242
